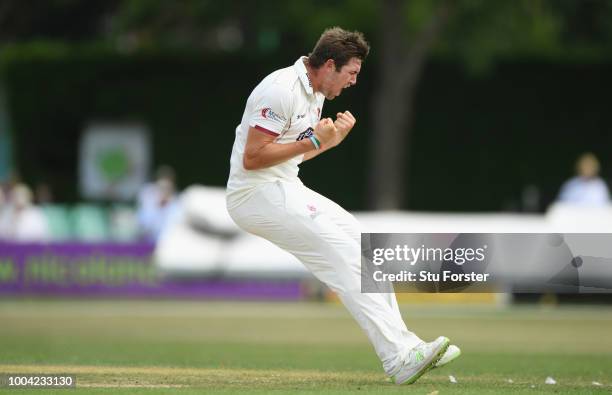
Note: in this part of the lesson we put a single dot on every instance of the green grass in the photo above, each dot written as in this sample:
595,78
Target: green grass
118,347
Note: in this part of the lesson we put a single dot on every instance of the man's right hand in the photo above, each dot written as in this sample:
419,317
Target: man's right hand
325,131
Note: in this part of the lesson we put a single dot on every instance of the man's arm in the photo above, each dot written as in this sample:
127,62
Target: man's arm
261,151
311,154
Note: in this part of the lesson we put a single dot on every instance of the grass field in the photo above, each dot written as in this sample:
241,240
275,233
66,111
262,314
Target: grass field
158,347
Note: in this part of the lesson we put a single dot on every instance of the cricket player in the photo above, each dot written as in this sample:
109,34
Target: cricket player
281,128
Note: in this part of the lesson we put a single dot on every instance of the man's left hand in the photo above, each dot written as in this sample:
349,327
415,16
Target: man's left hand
344,123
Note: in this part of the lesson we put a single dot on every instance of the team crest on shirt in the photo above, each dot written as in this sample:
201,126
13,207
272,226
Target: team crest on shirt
269,114
305,134
313,210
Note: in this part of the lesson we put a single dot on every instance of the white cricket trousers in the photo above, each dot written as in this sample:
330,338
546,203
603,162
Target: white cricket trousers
327,240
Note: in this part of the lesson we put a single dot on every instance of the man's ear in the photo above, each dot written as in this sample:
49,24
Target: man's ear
330,64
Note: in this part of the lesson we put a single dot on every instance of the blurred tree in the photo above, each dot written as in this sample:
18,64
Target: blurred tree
68,20
477,31
401,64
233,25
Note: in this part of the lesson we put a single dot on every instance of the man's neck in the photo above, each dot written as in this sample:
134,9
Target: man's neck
311,73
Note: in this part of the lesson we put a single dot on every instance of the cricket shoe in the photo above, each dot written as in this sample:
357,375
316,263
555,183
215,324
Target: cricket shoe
420,359
452,352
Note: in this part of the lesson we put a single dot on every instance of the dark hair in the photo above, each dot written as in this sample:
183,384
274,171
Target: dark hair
340,45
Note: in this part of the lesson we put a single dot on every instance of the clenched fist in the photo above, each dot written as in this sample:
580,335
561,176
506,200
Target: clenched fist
325,131
344,123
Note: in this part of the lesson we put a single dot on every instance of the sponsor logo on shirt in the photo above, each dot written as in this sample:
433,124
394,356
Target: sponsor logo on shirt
269,114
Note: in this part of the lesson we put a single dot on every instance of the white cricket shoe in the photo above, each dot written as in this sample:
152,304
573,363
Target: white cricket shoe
452,352
420,359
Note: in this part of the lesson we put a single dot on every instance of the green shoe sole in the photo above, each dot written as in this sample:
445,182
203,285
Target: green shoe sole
457,355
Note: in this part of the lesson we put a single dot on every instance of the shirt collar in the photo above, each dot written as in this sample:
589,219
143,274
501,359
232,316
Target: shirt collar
303,74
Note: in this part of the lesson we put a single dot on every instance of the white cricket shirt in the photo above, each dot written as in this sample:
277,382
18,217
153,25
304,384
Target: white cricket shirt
282,105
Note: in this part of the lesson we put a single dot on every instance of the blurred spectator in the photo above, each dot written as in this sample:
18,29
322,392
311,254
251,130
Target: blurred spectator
9,184
21,220
587,188
158,204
